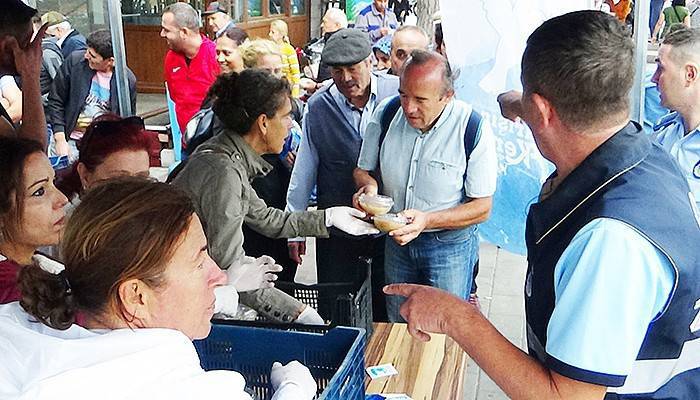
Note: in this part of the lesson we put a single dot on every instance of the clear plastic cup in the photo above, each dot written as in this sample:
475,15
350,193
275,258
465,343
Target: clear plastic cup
376,204
389,222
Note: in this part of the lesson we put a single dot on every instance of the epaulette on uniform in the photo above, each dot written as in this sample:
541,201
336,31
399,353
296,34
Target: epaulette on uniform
665,121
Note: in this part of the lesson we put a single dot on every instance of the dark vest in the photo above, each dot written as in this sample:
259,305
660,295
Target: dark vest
337,143
634,181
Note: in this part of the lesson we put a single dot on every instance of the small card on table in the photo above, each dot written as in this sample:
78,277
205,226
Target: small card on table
381,371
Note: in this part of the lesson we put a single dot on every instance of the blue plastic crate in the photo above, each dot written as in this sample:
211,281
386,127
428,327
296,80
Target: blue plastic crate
335,359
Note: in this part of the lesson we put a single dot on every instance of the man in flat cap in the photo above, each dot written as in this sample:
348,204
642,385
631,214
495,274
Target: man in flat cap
333,128
436,157
67,38
218,18
20,55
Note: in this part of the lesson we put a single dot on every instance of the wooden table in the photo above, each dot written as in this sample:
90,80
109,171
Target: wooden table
432,370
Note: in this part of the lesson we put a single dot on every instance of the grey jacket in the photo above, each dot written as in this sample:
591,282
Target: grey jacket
218,177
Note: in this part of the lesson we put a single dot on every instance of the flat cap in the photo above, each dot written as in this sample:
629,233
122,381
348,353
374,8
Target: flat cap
53,18
346,47
215,7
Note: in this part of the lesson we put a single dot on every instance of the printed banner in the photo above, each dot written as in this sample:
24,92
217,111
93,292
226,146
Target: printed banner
485,40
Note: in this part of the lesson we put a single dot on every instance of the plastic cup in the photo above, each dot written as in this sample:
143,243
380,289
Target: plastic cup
390,222
376,204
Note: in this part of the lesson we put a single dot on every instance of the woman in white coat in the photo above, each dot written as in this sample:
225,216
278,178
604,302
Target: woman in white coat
138,272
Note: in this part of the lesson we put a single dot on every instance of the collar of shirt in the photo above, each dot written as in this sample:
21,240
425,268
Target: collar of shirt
253,163
60,41
357,117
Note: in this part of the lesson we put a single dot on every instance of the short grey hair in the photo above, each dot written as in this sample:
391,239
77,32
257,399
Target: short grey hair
421,57
184,15
685,43
413,28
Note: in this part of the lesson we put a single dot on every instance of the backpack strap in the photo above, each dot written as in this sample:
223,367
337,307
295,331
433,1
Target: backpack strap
388,115
472,134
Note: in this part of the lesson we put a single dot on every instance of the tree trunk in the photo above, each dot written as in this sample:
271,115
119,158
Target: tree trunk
424,11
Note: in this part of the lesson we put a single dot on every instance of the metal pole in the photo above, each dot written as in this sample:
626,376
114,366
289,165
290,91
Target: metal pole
641,33
116,28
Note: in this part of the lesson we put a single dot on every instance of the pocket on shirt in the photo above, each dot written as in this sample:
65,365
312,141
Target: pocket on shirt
439,181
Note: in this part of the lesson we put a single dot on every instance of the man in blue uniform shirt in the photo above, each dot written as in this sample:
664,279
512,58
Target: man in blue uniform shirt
678,78
611,295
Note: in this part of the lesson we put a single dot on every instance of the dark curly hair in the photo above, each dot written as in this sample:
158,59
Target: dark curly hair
240,98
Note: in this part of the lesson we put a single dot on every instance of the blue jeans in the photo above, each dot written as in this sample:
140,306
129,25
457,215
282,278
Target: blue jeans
443,259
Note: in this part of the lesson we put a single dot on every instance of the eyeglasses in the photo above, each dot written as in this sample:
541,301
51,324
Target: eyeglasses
109,127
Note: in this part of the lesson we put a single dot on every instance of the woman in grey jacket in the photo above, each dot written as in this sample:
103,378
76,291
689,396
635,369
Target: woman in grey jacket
253,117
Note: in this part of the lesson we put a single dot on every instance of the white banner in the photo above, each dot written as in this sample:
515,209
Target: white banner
485,40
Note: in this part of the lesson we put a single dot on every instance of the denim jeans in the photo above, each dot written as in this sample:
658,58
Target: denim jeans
443,259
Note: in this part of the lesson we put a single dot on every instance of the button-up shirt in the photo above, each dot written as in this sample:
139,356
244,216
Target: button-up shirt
305,166
425,170
371,20
684,148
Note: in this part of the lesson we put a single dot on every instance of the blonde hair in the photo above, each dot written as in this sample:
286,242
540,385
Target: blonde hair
282,27
252,50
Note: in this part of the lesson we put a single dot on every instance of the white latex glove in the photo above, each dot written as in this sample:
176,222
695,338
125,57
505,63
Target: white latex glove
347,220
226,300
250,273
292,381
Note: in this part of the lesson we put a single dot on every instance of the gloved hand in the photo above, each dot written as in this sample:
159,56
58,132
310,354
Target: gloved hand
292,381
310,317
250,273
226,300
347,219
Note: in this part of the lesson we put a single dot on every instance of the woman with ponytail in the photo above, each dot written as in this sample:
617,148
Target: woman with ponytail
138,272
31,209
252,118
279,33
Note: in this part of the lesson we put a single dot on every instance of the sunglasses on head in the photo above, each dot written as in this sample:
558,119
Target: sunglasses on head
109,127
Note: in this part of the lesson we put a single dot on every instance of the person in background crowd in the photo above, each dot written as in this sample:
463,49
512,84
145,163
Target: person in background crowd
333,20
677,13
442,182
191,64
406,39
694,9
67,38
439,40
279,33
227,52
620,8
377,20
11,98
83,89
51,61
31,209
265,54
252,112
334,123
600,259
111,147
144,286
21,55
678,79
218,19
382,53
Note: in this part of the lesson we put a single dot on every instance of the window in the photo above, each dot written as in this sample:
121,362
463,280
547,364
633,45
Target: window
276,7
255,8
298,7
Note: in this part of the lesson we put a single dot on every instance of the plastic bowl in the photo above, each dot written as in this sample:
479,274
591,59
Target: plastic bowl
376,204
389,222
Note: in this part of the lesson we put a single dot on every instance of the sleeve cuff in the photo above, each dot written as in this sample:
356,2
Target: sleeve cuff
579,374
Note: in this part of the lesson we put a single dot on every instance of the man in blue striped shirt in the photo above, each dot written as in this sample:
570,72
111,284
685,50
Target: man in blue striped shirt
377,20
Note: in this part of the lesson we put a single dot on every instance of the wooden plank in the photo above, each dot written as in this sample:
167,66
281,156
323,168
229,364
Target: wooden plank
432,370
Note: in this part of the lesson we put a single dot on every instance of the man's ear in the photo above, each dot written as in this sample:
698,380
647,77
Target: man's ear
544,112
692,72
